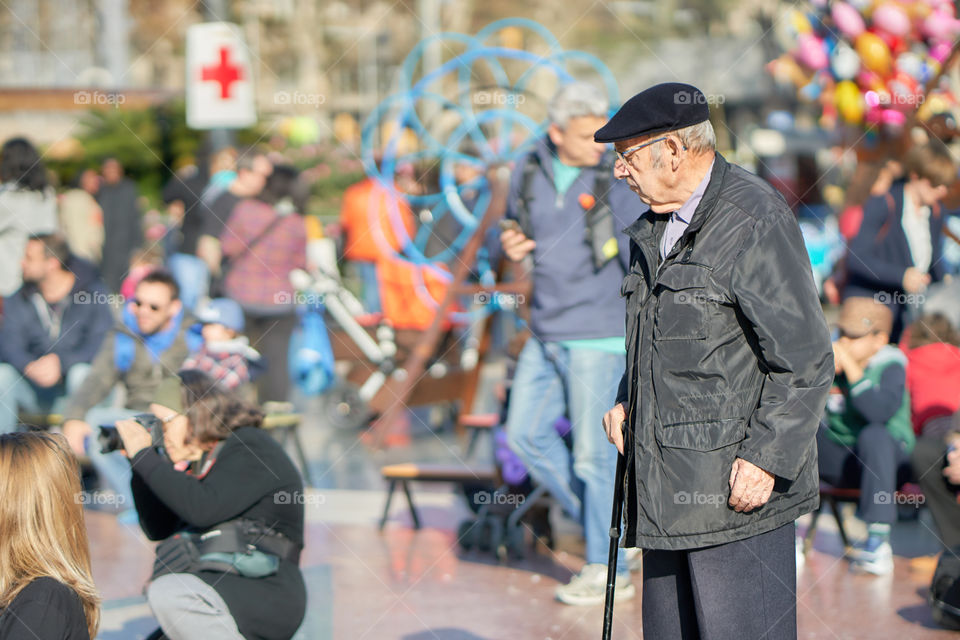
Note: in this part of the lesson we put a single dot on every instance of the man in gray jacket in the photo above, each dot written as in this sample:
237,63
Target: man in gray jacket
728,367
148,345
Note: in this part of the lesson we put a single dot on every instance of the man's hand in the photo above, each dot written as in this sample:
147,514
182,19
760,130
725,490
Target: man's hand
613,425
134,437
75,431
750,486
516,245
44,371
914,280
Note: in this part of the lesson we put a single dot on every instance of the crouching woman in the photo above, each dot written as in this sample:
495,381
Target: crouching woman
217,491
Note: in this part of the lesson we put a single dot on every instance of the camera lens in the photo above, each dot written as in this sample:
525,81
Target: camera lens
109,439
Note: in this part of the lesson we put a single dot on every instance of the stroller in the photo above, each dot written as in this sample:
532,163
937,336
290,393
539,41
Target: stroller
504,515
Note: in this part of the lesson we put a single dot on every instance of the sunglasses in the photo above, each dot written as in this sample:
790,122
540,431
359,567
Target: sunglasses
850,336
141,303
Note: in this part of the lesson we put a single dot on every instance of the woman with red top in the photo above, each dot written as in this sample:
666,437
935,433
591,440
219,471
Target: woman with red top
265,239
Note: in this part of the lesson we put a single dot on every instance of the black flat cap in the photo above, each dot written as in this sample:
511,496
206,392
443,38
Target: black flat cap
663,107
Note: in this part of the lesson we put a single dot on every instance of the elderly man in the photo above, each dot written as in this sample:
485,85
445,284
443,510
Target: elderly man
728,367
566,208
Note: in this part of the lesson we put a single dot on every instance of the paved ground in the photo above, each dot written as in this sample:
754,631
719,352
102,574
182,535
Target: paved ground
411,585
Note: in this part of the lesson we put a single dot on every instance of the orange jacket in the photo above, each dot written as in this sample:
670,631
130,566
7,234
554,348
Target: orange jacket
359,241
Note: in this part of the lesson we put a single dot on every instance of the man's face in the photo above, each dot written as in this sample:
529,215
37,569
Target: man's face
253,180
574,143
154,306
651,183
35,263
112,171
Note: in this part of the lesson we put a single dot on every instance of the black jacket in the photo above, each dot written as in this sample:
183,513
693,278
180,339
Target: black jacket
86,320
45,609
728,355
252,478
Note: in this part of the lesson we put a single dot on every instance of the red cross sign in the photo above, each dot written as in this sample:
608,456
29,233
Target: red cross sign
225,73
220,90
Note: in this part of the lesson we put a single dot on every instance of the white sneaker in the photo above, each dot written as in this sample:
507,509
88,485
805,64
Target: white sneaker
877,561
590,585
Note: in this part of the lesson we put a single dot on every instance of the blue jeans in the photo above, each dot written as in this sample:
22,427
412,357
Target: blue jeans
552,380
113,468
193,277
17,393
367,271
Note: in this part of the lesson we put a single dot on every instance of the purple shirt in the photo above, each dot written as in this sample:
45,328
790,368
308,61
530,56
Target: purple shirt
680,219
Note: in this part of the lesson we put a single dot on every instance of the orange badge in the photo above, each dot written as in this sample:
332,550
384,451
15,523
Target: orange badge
587,201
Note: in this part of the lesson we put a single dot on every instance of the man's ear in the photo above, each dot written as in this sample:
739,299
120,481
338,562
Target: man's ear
175,307
556,134
675,151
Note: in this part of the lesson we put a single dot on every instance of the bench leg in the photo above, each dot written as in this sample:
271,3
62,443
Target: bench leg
413,509
386,507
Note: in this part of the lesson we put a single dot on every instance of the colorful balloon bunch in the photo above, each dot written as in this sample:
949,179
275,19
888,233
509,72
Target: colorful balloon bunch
867,62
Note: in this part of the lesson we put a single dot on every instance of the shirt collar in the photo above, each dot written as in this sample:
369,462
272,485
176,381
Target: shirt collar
686,211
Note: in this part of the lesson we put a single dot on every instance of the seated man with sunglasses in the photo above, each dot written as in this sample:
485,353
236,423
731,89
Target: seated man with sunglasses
867,436
148,345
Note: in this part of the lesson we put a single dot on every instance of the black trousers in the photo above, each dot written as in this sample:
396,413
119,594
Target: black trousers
877,465
743,590
270,335
928,460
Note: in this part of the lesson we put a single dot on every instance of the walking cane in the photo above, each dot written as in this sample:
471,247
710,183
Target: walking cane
614,546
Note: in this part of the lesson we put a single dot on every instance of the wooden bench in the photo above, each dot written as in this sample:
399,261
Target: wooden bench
834,496
404,474
475,424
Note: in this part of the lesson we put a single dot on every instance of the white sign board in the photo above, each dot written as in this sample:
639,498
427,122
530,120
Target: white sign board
219,78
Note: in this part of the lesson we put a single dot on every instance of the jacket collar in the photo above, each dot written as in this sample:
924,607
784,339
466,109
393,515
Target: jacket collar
642,231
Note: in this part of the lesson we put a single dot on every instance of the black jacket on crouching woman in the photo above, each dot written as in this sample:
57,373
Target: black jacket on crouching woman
250,472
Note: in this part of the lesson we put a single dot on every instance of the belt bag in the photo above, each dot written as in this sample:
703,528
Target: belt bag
240,547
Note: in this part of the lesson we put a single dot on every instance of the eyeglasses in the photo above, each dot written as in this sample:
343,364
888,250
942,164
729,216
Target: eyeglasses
141,303
626,152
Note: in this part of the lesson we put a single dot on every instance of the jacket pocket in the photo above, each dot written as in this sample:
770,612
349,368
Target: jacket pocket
696,459
703,436
682,303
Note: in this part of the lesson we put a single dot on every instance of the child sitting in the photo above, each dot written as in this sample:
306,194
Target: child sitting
867,436
226,356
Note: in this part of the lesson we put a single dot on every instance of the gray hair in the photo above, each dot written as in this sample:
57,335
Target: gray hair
576,100
698,138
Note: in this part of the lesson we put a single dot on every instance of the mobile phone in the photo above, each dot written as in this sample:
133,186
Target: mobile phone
507,224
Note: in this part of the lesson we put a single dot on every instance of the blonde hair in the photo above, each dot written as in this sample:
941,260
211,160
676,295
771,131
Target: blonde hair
42,533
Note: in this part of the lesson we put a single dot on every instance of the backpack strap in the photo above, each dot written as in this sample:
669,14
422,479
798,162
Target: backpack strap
600,232
525,195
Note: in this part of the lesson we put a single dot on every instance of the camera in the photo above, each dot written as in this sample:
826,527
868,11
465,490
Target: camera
110,440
